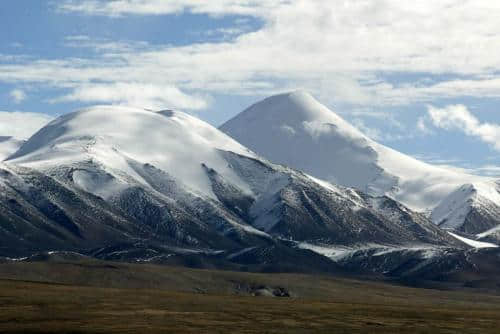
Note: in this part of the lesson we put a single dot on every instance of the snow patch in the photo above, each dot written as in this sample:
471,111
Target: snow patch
473,243
489,232
340,253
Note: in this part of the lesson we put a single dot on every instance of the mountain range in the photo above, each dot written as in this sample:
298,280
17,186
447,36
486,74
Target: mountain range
296,130
287,185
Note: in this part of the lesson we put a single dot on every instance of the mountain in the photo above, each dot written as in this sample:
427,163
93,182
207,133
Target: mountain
122,183
296,130
9,145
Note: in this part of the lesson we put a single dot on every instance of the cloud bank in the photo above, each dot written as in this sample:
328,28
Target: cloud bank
458,117
21,125
342,51
17,95
135,94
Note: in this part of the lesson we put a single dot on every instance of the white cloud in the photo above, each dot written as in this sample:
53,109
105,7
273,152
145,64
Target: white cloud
460,165
383,93
21,125
17,95
422,125
340,50
103,45
137,94
487,170
382,136
117,8
458,117
222,34
288,130
372,133
387,117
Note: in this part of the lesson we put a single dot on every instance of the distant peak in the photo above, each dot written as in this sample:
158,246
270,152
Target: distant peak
295,95
292,107
293,111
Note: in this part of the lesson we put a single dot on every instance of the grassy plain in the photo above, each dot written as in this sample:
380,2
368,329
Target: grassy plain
100,297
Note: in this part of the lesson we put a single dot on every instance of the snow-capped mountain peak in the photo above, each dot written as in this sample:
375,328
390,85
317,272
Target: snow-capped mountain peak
296,130
112,136
115,174
300,108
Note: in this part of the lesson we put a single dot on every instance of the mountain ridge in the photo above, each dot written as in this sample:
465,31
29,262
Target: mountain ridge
128,184
296,130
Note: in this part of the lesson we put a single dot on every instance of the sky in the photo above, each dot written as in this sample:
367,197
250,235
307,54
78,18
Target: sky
422,77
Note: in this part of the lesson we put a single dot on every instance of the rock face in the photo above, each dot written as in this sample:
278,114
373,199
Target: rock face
165,187
296,130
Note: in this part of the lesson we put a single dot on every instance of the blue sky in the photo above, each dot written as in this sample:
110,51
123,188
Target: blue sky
421,78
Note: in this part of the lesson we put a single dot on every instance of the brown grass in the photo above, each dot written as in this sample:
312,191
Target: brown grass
323,305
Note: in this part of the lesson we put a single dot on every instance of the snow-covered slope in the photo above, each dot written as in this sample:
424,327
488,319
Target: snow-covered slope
296,130
172,141
9,145
472,208
492,235
474,243
108,175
